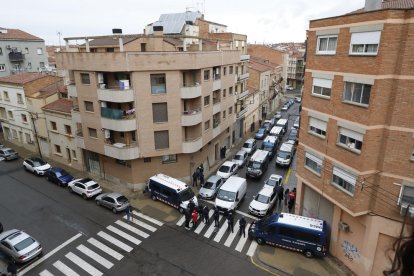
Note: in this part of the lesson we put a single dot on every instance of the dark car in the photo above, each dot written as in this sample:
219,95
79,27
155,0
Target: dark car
59,176
260,134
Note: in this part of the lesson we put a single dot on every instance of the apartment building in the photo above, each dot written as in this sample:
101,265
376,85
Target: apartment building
151,103
21,52
355,164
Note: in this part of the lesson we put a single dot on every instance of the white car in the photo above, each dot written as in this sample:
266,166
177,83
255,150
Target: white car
240,158
263,202
249,146
19,245
278,115
211,186
85,187
273,181
36,165
227,169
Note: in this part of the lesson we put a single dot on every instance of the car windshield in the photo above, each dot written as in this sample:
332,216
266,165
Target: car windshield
224,169
271,182
247,145
10,151
266,125
122,199
261,131
268,147
186,194
262,198
239,157
94,186
38,163
209,185
62,173
24,244
254,165
226,195
283,154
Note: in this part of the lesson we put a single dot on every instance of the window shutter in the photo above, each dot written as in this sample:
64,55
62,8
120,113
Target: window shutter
161,139
314,158
317,123
351,134
322,83
366,38
351,179
159,112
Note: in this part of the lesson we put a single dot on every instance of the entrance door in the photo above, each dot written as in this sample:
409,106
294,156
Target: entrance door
92,163
44,146
216,152
68,155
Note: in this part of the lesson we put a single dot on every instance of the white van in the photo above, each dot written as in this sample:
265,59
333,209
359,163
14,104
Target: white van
277,131
231,193
283,123
285,154
258,163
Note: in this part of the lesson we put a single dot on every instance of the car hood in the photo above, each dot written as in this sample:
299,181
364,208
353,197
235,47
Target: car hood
238,162
224,175
248,150
44,167
66,178
207,192
258,205
224,204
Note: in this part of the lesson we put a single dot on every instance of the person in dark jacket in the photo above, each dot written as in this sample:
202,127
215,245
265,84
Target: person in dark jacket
195,177
206,217
280,195
216,216
200,212
12,268
187,214
242,224
230,220
286,196
191,206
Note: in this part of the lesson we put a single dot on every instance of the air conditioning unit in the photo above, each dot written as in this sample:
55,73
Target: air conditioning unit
406,209
343,226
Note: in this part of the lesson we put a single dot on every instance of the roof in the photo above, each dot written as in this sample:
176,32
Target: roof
261,67
169,181
304,222
173,23
55,87
398,4
16,34
233,183
109,41
173,41
266,191
22,78
60,105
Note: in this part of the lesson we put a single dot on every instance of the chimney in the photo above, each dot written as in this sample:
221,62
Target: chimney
371,5
116,31
158,30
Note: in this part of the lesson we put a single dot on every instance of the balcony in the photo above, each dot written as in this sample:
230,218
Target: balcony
122,151
191,118
115,94
192,145
216,107
79,140
16,56
216,84
242,76
72,92
244,57
242,95
115,119
216,130
241,113
191,91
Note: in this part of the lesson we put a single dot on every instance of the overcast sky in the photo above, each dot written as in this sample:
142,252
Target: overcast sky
262,20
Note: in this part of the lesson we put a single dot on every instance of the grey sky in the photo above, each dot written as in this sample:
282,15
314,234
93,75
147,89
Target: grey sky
262,20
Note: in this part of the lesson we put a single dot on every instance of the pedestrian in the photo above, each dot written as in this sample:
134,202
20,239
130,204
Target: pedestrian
201,179
187,214
194,217
195,176
242,224
230,220
216,216
286,196
128,212
191,205
291,203
200,211
206,217
11,268
201,168
280,195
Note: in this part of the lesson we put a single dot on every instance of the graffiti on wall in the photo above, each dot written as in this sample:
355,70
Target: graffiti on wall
351,251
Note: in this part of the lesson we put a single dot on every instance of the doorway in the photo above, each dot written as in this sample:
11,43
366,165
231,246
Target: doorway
69,156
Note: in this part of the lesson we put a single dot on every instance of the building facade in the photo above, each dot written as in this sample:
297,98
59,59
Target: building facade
355,164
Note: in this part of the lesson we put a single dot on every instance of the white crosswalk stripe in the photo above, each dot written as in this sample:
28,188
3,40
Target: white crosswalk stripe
45,273
231,237
123,234
150,219
221,232
180,221
242,241
211,229
93,255
84,265
65,269
117,242
202,224
132,229
252,249
143,224
105,249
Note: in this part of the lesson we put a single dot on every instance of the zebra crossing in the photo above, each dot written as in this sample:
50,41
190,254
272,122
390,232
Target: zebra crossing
102,251
219,233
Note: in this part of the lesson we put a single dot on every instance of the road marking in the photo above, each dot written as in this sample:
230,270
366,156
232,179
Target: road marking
132,229
45,273
93,255
48,255
84,265
65,269
252,249
287,176
117,242
246,215
181,221
242,241
123,234
105,249
231,237
221,232
144,225
211,229
202,224
150,219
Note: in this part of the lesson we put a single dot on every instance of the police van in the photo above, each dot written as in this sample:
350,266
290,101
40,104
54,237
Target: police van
277,131
170,191
297,233
270,144
283,123
258,163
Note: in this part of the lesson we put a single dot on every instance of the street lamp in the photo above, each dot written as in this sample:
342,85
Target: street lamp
32,117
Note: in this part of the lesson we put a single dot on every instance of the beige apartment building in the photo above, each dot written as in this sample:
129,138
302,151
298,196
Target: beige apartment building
355,157
158,102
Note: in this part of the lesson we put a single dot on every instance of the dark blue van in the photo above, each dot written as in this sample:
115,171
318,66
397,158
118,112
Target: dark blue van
297,233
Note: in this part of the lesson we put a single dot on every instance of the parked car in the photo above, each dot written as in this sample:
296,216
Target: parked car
285,107
263,202
249,146
59,176
227,169
293,135
273,181
8,154
289,87
240,158
114,201
296,123
85,187
278,115
19,245
261,133
36,165
298,99
211,186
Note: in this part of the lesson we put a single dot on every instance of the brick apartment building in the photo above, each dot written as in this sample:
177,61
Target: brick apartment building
355,157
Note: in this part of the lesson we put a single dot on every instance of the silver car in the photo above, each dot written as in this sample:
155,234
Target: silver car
8,153
19,245
240,158
114,201
211,186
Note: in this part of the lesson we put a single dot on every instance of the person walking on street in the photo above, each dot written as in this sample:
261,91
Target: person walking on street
286,196
242,224
230,220
194,217
206,218
128,212
200,212
216,216
191,206
187,214
12,268
195,176
292,198
201,180
280,195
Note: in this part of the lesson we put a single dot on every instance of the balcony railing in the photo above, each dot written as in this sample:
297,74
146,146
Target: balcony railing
242,95
16,56
244,57
191,117
241,113
192,145
243,76
191,90
122,151
115,94
117,114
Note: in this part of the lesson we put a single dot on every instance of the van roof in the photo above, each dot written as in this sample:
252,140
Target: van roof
286,147
271,139
281,122
259,155
304,222
169,181
233,184
276,129
250,140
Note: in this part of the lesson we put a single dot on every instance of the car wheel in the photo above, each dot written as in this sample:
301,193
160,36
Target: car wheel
98,203
260,240
308,253
84,196
35,173
114,210
154,197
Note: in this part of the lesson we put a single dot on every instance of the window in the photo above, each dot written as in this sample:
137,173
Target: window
365,43
85,79
206,100
344,180
125,163
6,96
19,98
147,159
172,158
89,106
350,139
206,125
230,110
231,70
110,50
10,115
53,125
406,194
74,154
143,47
28,138
39,51
1,51
24,118
326,45
224,114
158,84
14,133
159,112
206,75
317,127
57,149
42,64
29,65
224,71
313,163
224,93
68,130
2,67
26,50
161,139
321,87
357,93
92,133
412,156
